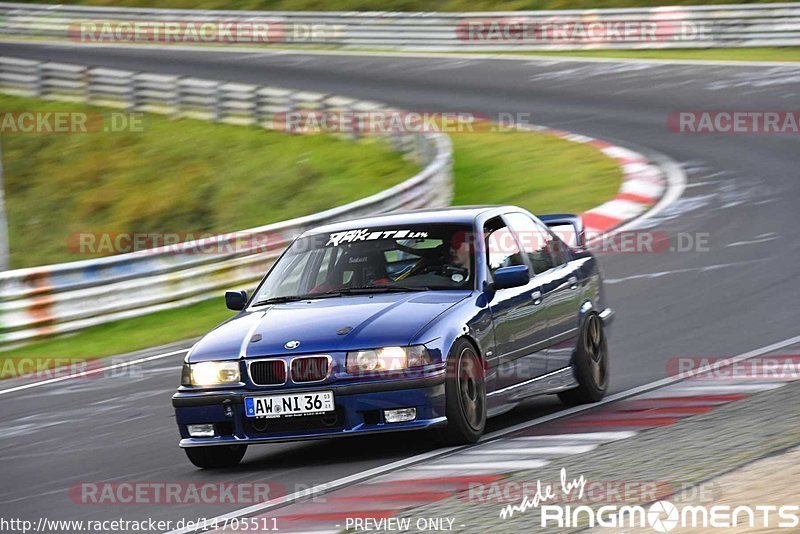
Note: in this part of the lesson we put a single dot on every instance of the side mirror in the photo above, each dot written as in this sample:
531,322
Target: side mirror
236,300
514,276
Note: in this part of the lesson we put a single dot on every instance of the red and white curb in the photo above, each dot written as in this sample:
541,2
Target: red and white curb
644,183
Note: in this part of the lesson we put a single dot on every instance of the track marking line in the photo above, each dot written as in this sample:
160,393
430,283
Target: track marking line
601,437
483,466
564,450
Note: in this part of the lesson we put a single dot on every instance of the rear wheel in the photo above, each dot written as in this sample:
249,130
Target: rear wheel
465,394
591,364
216,457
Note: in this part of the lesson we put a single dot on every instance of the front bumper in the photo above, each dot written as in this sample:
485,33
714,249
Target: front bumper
359,410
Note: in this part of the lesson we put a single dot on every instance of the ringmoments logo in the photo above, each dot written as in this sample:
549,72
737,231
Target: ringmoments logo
660,516
663,516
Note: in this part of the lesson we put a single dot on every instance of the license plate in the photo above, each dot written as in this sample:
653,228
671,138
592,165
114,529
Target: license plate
315,402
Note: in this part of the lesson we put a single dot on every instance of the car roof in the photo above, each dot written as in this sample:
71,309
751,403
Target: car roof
452,215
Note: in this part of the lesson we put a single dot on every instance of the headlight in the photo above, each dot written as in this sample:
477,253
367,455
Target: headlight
210,373
387,359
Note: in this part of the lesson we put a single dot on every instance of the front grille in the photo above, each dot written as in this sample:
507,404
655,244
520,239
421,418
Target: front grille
310,369
268,372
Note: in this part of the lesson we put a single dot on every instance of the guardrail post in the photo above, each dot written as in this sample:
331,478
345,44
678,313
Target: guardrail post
38,89
176,97
258,112
87,86
133,94
216,109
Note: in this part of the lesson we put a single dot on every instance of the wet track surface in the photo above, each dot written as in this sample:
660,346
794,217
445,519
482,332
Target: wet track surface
743,192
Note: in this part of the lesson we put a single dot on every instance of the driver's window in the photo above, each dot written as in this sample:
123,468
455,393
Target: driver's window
501,247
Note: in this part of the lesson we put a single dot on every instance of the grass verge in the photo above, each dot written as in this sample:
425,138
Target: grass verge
169,177
534,170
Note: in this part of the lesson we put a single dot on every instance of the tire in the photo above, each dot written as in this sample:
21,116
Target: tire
216,457
465,394
591,364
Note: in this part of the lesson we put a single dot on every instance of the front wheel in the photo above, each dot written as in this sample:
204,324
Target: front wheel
216,457
590,363
465,392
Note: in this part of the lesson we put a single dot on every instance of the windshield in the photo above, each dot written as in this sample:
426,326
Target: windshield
377,259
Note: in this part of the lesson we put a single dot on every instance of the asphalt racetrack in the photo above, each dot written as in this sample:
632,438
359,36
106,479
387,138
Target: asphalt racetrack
741,198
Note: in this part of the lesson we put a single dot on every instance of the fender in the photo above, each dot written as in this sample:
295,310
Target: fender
470,319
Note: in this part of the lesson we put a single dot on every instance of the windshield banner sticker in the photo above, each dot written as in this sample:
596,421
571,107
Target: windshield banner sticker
350,236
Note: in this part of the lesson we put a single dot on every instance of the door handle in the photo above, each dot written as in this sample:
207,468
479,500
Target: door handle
537,297
573,282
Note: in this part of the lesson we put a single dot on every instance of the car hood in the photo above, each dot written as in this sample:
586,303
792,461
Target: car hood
326,325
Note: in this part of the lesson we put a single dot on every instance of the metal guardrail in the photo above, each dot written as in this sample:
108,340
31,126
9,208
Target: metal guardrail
660,27
40,301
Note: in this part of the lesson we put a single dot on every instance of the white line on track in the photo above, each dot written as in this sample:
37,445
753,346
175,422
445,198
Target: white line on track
532,451
516,465
600,437
89,372
493,438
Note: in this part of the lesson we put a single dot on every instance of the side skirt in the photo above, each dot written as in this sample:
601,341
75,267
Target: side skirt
502,400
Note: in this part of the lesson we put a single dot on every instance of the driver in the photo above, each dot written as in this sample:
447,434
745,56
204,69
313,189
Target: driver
460,250
460,257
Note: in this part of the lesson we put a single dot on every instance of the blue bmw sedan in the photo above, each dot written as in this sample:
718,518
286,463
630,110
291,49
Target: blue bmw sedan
427,319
